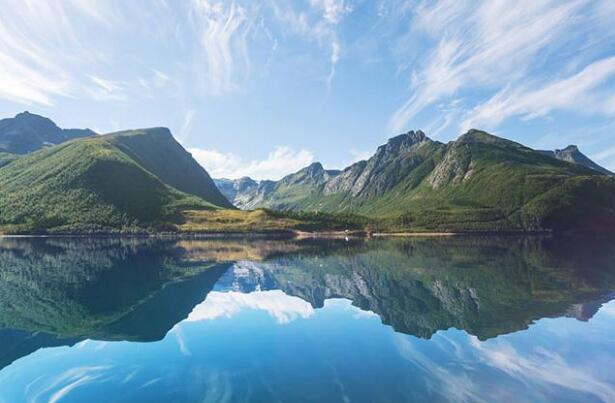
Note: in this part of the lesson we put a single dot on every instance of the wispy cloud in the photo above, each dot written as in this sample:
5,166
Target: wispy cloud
542,366
577,92
222,29
186,128
320,24
486,46
106,90
280,162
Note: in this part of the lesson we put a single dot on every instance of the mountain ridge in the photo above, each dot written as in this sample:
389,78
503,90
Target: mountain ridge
478,182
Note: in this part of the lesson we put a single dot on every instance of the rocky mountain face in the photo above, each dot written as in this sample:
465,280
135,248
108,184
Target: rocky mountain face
574,155
27,132
478,180
247,193
238,191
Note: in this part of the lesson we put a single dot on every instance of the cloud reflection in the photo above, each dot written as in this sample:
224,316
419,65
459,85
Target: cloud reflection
276,303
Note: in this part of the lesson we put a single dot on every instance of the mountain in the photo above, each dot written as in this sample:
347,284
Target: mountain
131,180
235,190
572,154
477,182
160,154
246,193
27,132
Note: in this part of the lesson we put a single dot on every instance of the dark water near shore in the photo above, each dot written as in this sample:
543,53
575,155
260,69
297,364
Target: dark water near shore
389,320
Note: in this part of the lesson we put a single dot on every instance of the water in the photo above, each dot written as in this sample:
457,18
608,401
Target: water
439,319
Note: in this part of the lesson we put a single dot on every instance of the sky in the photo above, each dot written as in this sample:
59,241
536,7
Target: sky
264,88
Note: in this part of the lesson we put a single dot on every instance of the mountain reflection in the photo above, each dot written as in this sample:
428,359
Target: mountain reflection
58,291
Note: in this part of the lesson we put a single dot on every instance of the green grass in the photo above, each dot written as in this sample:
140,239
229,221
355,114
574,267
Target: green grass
88,185
6,158
144,181
480,182
265,221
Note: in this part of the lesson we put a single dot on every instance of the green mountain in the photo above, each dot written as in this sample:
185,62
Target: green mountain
129,181
27,132
478,182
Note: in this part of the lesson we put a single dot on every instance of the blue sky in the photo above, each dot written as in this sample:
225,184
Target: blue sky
263,88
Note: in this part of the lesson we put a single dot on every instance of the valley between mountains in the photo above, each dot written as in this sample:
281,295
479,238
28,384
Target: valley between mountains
75,181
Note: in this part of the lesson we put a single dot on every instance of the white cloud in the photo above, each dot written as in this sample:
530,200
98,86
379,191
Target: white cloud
358,155
568,94
160,79
222,30
333,10
482,45
65,382
280,162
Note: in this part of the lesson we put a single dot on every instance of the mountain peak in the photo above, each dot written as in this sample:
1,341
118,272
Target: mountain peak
314,167
570,148
411,137
402,141
31,118
27,132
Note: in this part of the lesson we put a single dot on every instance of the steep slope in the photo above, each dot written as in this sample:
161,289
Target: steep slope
101,184
573,154
27,132
478,182
157,151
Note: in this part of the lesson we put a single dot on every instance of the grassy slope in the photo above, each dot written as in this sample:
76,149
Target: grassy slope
86,185
5,158
511,187
507,186
264,221
157,151
124,182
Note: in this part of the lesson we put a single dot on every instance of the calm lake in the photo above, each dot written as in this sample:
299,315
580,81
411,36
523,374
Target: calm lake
491,319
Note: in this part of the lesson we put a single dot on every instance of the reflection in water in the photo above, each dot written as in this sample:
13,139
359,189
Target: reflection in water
304,320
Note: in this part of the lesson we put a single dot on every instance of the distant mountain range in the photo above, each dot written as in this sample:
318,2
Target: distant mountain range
478,181
75,181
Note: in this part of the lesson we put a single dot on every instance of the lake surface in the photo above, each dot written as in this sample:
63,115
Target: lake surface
518,319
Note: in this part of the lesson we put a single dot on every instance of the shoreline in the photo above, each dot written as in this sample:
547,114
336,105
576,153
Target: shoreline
282,234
